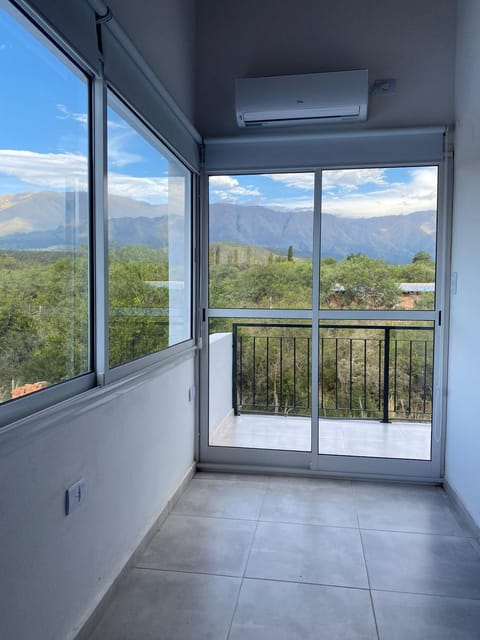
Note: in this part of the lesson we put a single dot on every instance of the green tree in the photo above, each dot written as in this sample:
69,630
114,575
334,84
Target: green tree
422,256
290,254
365,283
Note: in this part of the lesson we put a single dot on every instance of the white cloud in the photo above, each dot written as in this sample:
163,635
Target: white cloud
295,180
291,204
351,179
228,188
362,192
117,154
144,188
45,170
61,171
396,198
69,115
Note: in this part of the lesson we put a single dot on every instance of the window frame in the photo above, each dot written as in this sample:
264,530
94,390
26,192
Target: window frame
26,407
143,127
16,409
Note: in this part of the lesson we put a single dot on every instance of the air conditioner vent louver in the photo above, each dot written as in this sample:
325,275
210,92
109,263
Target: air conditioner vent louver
303,99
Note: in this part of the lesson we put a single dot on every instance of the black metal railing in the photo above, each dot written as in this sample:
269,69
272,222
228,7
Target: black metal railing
365,371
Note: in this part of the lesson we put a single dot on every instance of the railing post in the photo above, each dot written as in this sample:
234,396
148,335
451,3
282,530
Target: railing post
386,374
234,370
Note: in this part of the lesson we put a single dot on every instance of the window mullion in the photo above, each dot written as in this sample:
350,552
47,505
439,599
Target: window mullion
100,229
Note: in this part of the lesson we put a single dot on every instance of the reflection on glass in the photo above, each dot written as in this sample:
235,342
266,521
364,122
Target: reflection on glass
260,252
44,221
260,380
378,238
376,389
149,241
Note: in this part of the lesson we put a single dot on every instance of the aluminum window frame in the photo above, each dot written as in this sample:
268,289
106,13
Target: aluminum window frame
16,413
315,463
143,128
18,408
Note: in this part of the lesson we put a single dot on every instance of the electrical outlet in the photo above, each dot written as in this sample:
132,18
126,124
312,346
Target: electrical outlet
74,496
380,87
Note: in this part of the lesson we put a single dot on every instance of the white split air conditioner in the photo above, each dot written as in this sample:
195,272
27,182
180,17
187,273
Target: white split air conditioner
340,96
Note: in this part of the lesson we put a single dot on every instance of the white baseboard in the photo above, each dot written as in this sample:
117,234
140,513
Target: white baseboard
93,618
464,514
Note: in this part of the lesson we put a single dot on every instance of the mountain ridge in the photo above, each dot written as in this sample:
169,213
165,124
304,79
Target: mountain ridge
37,220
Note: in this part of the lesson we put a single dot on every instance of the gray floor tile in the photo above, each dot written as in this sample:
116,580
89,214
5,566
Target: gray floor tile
393,490
154,605
287,504
200,545
420,563
231,499
409,515
289,611
407,508
402,616
307,553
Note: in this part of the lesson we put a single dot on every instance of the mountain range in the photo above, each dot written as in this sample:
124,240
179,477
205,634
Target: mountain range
393,239
38,221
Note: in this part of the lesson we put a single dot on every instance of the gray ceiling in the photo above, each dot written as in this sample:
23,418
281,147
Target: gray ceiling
199,48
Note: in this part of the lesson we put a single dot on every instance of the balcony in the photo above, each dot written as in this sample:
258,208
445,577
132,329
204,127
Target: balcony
374,388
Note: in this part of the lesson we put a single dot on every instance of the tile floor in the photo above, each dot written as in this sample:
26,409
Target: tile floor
337,437
271,558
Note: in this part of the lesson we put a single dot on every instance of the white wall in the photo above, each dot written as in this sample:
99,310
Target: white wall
409,40
463,421
132,444
220,383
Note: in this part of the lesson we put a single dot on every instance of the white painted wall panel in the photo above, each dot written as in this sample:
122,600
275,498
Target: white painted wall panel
132,444
220,382
463,423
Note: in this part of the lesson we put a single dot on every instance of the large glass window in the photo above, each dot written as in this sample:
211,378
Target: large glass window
378,239
261,234
44,214
149,211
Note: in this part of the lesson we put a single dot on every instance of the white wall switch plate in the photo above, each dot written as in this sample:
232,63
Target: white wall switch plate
74,496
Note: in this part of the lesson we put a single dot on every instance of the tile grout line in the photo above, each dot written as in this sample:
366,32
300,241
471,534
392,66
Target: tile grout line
246,563
368,578
278,580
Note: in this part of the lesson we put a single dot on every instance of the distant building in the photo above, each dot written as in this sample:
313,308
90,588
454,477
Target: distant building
28,388
411,291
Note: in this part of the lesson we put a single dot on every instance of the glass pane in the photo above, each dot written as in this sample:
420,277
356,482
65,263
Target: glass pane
44,214
260,377
378,238
149,204
376,388
261,229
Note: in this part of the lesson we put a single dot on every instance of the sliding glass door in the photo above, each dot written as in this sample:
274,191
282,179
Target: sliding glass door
260,310
324,344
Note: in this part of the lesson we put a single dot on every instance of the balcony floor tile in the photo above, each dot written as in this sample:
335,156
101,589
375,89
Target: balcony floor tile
369,438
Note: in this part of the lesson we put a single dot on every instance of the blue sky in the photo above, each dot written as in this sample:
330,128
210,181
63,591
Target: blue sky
44,143
44,127
346,192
